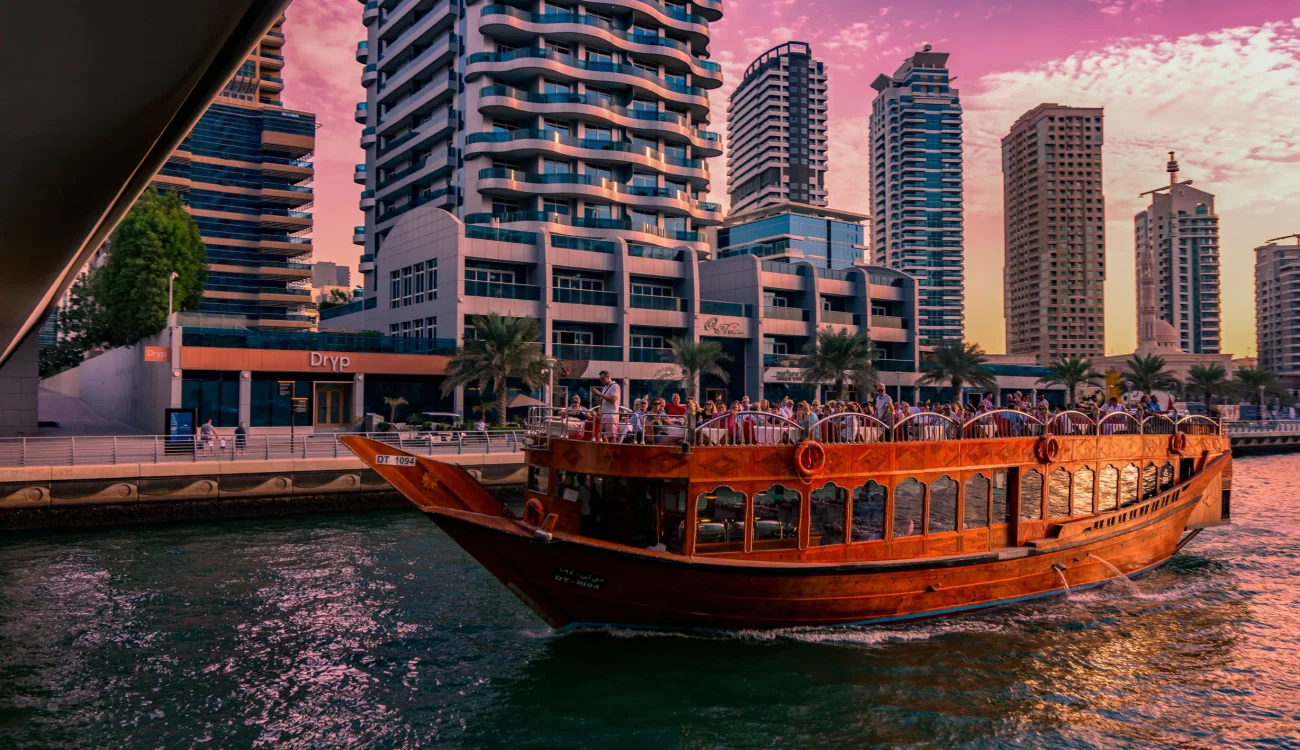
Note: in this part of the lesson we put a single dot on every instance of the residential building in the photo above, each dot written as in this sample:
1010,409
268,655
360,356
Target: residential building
244,175
1178,235
825,237
327,274
1277,309
776,128
916,187
1054,271
539,161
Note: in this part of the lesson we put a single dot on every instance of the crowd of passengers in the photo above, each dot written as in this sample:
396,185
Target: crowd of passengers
746,422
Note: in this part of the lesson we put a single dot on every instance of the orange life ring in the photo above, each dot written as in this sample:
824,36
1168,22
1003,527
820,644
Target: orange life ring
534,512
809,458
1178,442
1046,450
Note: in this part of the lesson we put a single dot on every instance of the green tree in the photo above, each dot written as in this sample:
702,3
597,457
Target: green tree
155,239
1208,380
81,328
392,402
1071,372
59,356
336,298
957,364
691,359
1146,375
502,349
1255,383
840,357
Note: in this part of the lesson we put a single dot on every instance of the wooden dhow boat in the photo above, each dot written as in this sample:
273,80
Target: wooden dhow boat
757,522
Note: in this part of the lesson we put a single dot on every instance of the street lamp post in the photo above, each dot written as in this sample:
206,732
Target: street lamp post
171,282
550,381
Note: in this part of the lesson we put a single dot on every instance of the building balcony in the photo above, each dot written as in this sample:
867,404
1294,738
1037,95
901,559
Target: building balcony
367,263
368,137
531,62
785,313
361,112
838,318
439,18
619,226
504,20
359,174
363,51
433,166
358,235
445,197
369,75
425,98
502,291
432,58
733,309
505,100
528,141
584,297
649,302
435,127
587,352
367,200
370,13
511,182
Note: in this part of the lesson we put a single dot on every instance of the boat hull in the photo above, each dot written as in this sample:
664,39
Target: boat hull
569,582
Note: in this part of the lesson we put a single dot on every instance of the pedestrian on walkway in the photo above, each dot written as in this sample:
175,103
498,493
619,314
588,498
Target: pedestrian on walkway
206,433
241,439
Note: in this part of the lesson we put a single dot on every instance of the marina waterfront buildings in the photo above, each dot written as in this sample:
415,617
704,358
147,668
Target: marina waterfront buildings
824,237
1054,219
244,174
1277,300
1178,234
916,187
776,131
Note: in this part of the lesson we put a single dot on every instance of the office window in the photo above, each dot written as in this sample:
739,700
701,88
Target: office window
395,289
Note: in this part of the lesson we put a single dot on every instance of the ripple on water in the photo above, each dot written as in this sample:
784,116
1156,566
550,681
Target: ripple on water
375,630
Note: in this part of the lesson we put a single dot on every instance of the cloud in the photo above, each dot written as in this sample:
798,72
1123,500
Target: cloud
1222,100
857,36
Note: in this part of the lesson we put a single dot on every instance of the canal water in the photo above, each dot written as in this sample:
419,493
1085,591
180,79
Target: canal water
374,630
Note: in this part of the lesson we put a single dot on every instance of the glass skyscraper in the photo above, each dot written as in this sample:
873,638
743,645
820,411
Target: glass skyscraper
916,187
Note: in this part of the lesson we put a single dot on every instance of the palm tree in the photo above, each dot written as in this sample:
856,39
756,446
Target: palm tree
957,363
1208,379
393,402
1146,375
691,359
841,357
1071,371
1256,380
502,349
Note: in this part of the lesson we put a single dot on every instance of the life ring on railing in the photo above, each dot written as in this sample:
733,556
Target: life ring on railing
1178,442
534,512
1046,450
809,458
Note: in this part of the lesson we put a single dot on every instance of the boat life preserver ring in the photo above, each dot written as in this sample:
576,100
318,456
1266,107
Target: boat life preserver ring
1046,450
1178,442
809,458
534,512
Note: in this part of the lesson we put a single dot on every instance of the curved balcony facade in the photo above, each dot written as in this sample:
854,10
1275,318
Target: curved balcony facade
552,144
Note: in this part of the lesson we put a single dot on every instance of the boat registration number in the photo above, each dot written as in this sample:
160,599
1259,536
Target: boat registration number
581,580
395,460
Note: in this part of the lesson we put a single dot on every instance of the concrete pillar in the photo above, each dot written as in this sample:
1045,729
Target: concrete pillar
20,388
458,400
245,396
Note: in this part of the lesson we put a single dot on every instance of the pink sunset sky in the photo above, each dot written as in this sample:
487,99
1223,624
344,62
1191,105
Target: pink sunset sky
1218,82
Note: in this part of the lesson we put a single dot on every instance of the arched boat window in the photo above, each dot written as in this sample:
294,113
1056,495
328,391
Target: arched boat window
1149,482
720,520
1058,494
828,507
1166,476
909,508
1001,513
776,518
1081,500
1031,495
1108,490
943,505
1128,486
977,503
869,512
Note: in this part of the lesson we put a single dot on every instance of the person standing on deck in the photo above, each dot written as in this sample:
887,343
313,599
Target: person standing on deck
609,395
883,401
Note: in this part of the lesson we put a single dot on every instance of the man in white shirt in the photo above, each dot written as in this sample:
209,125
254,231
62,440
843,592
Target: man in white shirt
609,396
883,401
787,408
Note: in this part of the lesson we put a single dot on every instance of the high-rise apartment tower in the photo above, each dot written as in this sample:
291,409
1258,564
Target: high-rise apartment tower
244,174
1179,234
916,187
1054,271
584,119
1277,308
776,131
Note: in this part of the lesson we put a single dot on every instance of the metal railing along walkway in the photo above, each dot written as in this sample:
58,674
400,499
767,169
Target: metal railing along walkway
155,449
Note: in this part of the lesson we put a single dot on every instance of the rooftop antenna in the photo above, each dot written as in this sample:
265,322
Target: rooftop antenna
1172,168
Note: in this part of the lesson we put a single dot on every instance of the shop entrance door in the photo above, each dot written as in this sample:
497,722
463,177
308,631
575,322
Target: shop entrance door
333,404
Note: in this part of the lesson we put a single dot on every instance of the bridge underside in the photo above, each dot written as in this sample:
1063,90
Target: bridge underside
98,94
